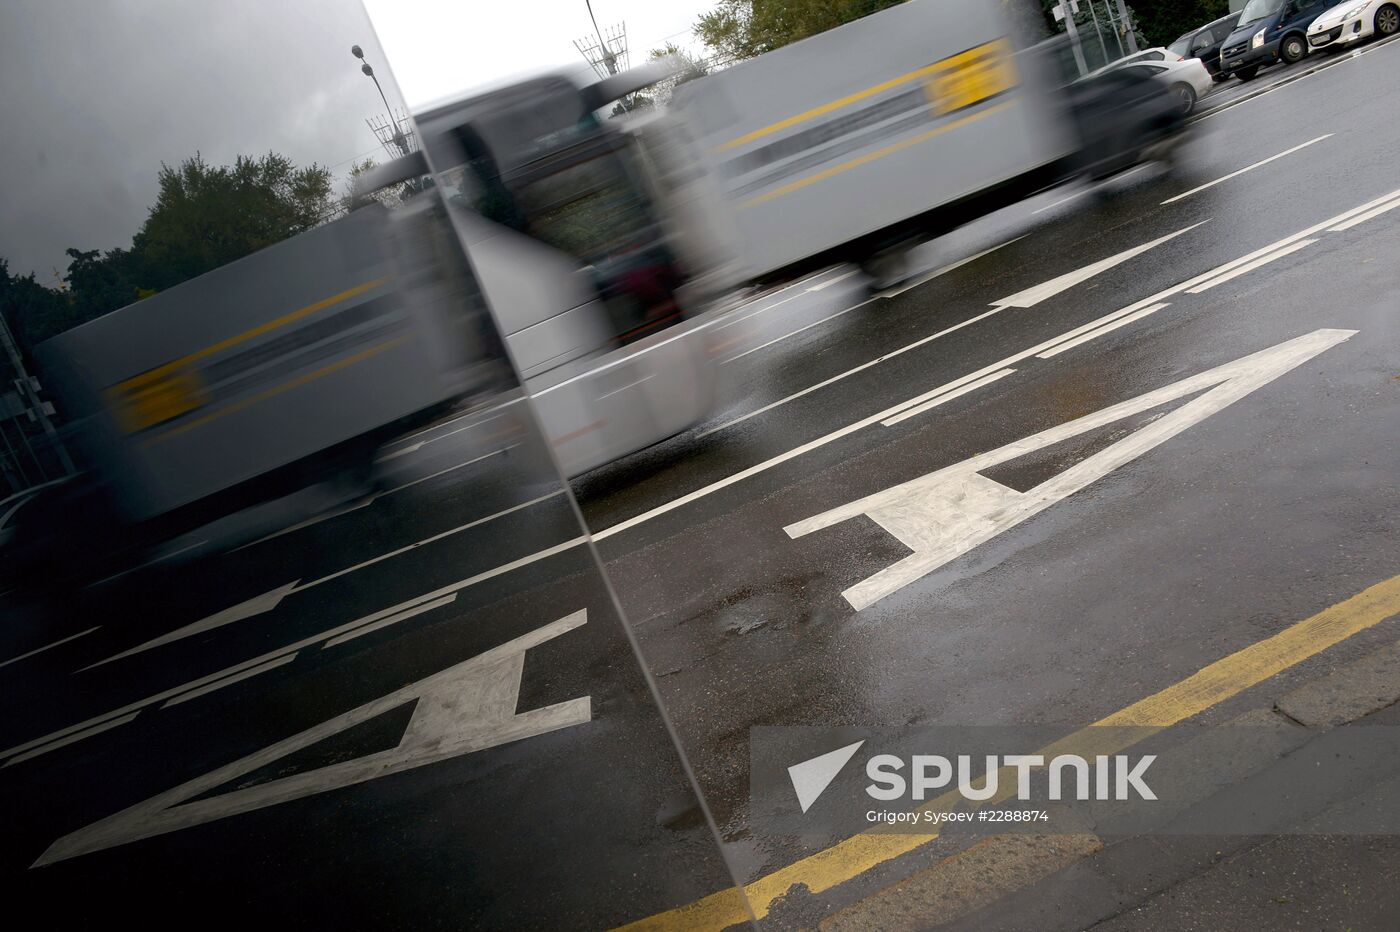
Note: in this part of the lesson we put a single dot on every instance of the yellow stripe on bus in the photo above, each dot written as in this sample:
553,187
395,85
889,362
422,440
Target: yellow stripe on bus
872,156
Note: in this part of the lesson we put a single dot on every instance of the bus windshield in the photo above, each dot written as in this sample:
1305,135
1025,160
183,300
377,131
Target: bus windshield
588,210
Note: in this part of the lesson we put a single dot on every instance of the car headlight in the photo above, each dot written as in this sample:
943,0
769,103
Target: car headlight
1258,39
1356,10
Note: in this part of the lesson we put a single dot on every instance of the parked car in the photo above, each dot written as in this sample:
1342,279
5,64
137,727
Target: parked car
1348,23
1186,78
1204,43
1269,31
1153,54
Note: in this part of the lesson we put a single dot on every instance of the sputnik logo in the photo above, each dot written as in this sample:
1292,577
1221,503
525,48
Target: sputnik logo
811,777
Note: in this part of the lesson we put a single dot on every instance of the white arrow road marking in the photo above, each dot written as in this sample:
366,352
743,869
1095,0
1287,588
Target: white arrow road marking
254,606
465,708
946,513
269,600
811,777
269,660
1033,296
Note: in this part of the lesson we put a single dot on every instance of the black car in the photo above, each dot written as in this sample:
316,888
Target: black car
1204,43
1124,116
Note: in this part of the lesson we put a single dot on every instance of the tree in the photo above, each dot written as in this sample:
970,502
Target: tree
1159,22
207,216
1164,21
33,311
353,198
204,217
690,69
740,29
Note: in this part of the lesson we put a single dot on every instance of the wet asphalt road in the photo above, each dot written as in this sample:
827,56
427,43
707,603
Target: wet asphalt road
1265,512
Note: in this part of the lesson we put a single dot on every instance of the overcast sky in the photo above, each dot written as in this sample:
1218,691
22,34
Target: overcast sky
97,94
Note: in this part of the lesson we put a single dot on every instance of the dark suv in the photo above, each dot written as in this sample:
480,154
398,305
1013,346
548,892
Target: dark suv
1269,31
1204,43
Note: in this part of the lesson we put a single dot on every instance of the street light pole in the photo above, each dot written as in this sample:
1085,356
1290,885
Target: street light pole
608,60
399,139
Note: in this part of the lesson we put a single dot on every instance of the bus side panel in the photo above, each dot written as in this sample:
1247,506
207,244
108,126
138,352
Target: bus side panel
258,364
854,130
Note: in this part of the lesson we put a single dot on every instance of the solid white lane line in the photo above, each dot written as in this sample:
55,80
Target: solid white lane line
831,281
769,307
443,472
401,611
946,396
850,372
474,413
415,447
428,540
392,619
1100,331
1075,195
1009,361
794,333
40,650
106,725
1369,215
261,604
238,677
1247,168
1030,297
925,279
1251,266
369,499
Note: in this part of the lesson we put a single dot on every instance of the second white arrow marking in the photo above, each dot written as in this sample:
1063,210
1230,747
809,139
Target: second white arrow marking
945,514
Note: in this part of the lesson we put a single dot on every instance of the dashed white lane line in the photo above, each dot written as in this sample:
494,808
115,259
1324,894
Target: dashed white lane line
40,650
1247,168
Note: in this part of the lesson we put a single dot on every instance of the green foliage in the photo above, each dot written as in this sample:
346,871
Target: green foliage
1158,22
207,216
33,311
739,29
204,217
1162,22
691,68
